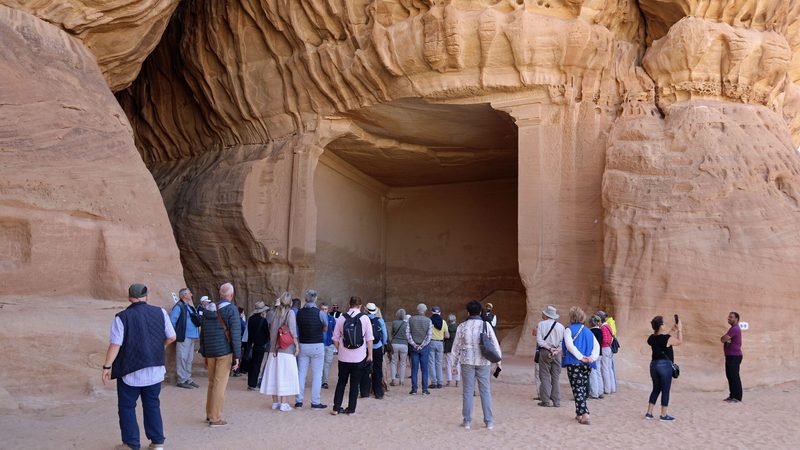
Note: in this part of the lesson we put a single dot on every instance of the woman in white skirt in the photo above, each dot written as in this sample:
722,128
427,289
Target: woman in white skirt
280,373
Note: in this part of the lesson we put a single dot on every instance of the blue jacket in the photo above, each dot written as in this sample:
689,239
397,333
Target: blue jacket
190,330
327,337
384,335
584,343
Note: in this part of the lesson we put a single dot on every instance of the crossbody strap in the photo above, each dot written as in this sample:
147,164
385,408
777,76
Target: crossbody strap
551,330
224,326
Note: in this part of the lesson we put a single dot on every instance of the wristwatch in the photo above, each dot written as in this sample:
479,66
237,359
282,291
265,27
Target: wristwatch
106,367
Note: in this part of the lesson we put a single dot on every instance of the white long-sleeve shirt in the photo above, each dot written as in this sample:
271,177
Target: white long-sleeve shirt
574,350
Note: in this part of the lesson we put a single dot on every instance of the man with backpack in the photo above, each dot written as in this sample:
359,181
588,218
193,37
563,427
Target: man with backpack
353,338
375,379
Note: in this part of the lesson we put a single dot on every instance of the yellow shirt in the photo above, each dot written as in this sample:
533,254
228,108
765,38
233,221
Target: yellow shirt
438,335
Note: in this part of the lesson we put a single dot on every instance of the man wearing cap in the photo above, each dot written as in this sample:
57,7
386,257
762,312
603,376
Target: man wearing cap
327,340
135,358
418,333
375,379
258,341
204,304
549,335
312,324
221,346
186,322
439,333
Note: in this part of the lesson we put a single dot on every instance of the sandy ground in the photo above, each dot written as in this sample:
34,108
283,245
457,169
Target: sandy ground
768,418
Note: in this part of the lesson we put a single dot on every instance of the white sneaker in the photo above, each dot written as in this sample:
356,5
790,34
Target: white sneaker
490,426
276,406
285,407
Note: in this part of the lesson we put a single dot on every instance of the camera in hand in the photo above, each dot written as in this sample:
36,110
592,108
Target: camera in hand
676,319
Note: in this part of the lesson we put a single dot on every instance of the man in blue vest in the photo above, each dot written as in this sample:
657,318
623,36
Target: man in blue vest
135,358
186,322
312,324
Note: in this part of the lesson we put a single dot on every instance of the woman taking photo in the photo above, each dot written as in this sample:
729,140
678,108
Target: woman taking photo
661,342
580,350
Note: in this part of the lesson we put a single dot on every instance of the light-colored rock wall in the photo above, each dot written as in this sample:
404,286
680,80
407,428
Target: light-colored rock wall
448,244
351,233
80,214
80,217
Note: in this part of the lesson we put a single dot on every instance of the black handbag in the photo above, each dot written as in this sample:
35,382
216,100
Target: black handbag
614,345
676,369
488,349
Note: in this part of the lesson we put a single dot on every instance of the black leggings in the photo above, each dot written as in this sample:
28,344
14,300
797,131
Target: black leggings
661,373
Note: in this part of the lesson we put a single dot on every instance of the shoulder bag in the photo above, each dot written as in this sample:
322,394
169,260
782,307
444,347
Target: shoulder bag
285,338
676,370
224,326
488,349
536,355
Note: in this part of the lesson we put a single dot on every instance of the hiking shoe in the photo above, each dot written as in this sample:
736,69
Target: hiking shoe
413,392
285,407
298,404
185,385
648,416
219,423
426,392
194,385
318,406
324,385
666,418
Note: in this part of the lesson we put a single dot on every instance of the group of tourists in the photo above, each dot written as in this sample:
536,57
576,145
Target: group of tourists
283,345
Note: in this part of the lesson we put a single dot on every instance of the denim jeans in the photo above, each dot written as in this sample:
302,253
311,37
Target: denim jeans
313,355
661,374
419,358
608,370
470,374
435,362
326,367
151,409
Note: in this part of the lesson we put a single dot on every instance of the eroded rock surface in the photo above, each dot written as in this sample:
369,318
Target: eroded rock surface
80,215
120,34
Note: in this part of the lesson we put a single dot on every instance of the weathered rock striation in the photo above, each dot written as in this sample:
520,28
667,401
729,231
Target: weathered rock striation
119,34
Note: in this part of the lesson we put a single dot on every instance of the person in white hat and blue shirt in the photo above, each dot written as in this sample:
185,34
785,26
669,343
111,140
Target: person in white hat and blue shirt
549,335
375,379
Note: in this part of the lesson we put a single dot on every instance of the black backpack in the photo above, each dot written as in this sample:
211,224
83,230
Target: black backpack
377,331
352,334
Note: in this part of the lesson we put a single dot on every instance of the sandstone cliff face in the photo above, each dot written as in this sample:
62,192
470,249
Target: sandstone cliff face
119,34
648,145
79,213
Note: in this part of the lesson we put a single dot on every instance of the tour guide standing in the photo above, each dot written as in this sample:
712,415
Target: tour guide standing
186,322
732,344
135,358
353,338
220,344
